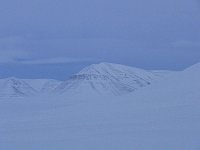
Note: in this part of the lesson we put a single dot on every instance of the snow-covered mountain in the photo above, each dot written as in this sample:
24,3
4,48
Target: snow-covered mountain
104,79
181,87
107,78
43,85
13,87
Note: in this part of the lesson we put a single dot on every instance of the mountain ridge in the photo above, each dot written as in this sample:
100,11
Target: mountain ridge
114,79
102,79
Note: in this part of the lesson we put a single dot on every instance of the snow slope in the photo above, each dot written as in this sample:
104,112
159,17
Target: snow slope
107,79
164,116
179,87
43,85
13,87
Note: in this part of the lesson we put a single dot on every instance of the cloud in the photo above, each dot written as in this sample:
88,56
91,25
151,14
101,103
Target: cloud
57,60
23,50
11,49
44,61
9,56
186,44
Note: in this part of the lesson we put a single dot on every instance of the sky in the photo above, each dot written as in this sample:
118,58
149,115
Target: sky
56,38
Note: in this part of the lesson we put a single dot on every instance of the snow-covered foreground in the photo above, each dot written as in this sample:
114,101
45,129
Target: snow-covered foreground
164,116
113,125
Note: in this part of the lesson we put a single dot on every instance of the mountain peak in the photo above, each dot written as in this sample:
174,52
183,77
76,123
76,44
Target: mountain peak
105,68
107,78
105,64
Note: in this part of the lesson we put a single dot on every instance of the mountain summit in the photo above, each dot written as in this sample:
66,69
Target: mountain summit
107,78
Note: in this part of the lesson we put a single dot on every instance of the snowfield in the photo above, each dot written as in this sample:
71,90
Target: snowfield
162,116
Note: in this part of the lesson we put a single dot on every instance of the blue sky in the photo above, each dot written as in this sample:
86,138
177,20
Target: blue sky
49,38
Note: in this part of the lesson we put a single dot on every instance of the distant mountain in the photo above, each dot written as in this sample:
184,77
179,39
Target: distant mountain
13,87
179,88
104,79
107,78
43,85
